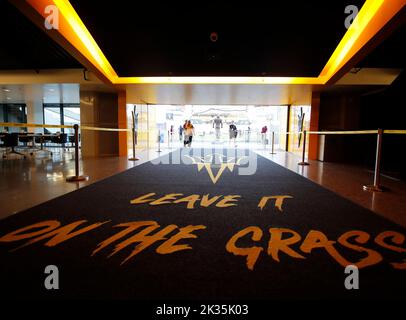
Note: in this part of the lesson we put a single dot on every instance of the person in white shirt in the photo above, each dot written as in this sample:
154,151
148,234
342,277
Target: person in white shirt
217,124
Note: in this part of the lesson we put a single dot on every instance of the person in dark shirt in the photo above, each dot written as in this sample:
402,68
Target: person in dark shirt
180,132
233,132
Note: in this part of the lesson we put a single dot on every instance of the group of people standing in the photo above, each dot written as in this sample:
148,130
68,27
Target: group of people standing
186,131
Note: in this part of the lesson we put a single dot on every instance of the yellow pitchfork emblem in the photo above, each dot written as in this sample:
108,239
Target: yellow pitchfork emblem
206,162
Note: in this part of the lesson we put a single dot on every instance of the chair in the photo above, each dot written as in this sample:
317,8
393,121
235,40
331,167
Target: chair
25,139
39,138
61,138
71,140
11,142
2,135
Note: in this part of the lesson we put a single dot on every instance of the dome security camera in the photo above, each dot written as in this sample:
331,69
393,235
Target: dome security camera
214,36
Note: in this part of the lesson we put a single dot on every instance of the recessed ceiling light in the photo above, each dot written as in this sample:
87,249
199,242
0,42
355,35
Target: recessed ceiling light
51,90
6,90
8,98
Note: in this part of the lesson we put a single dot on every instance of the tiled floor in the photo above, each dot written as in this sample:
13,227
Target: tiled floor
26,183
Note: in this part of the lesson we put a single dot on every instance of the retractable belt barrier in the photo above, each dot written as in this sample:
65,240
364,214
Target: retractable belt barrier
104,129
376,187
380,132
77,177
33,125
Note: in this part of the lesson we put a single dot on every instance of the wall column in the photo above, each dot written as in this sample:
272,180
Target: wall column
99,109
122,123
35,112
314,126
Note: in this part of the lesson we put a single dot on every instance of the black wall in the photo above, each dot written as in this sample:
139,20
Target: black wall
368,110
387,109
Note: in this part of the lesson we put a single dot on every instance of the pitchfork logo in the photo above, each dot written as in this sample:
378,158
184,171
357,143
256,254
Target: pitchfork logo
223,162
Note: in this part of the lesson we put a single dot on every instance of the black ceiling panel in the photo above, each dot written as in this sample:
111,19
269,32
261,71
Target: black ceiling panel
391,53
272,38
24,46
293,38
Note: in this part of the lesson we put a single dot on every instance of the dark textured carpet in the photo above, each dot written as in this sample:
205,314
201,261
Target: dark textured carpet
208,270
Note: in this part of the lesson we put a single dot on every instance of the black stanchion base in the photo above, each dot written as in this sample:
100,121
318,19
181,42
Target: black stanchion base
134,159
303,163
373,188
272,152
159,151
77,178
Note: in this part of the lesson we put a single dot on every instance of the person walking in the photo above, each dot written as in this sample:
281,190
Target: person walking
233,132
180,130
218,124
263,134
190,131
171,134
185,136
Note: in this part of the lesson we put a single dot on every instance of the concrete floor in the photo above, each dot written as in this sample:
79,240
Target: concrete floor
26,183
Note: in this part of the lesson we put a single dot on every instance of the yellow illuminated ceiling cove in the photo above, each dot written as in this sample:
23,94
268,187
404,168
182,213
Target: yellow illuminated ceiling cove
373,15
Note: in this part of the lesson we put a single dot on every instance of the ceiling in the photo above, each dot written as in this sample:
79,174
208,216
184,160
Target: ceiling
152,39
46,93
391,53
24,46
225,94
254,39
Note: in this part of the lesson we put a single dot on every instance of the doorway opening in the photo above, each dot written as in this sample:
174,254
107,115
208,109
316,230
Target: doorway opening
162,124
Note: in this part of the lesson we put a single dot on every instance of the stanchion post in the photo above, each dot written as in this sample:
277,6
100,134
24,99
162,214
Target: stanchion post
376,187
303,162
133,158
77,177
159,141
273,143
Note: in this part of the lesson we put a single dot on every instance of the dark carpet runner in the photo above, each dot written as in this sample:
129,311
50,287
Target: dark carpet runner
202,231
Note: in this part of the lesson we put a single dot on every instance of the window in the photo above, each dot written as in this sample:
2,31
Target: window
71,116
61,114
52,116
13,113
